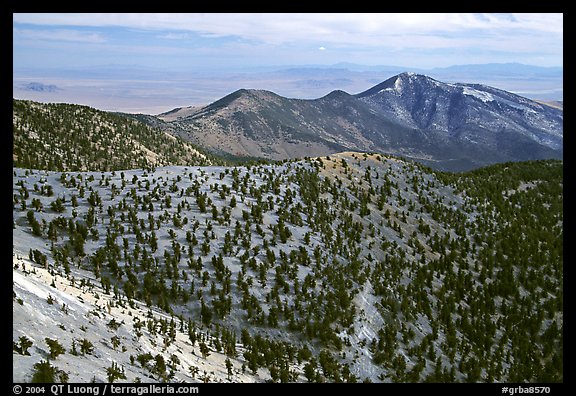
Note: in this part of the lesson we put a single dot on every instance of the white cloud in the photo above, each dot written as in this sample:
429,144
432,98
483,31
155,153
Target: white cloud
277,28
58,35
377,35
174,36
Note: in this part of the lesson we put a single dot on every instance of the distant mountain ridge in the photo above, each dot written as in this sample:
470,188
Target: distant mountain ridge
40,87
449,126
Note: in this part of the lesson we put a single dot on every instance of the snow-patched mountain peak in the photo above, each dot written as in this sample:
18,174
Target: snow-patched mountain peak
403,83
455,110
416,78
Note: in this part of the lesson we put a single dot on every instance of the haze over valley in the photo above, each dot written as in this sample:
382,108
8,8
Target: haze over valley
135,89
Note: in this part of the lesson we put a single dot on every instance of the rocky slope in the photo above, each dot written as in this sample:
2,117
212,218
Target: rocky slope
446,126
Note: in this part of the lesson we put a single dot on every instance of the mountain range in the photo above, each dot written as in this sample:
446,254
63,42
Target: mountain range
448,126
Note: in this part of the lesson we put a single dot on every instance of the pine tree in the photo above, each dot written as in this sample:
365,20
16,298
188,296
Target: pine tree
115,373
44,372
56,348
204,350
159,366
25,343
229,368
206,314
86,347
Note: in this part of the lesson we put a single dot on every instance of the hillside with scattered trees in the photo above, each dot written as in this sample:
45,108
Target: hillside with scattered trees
346,268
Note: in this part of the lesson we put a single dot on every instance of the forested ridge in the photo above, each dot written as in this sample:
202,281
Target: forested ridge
69,137
351,267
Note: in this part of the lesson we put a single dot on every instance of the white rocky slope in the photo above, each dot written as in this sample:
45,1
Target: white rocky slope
93,308
80,312
344,268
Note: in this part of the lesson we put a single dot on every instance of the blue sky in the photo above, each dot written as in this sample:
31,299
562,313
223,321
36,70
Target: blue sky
228,41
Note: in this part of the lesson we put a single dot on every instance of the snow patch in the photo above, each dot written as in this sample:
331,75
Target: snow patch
483,96
397,87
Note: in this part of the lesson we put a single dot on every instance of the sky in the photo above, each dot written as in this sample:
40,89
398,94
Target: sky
244,40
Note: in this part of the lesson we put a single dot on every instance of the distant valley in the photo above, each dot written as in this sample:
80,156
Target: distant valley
151,90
